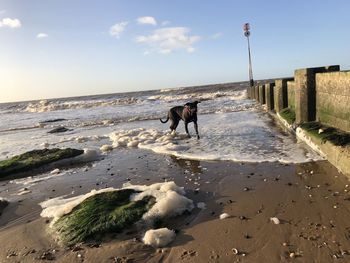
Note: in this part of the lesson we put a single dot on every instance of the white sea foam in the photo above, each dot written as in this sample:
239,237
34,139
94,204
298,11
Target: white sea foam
36,179
170,201
82,139
106,148
60,206
240,136
158,237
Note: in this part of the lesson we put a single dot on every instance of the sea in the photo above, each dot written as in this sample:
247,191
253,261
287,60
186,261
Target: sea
231,127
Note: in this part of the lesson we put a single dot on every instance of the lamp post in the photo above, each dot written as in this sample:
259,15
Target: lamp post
246,29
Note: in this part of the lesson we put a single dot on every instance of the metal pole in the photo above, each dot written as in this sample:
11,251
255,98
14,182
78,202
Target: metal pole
246,28
251,80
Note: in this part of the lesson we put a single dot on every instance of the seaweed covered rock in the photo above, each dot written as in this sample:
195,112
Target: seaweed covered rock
106,212
58,130
92,215
3,204
35,159
288,114
326,133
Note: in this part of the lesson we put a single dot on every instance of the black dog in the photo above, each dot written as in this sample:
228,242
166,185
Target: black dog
187,113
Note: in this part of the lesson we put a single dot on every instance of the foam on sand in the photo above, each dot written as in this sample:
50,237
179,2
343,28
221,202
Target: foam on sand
158,237
106,148
170,201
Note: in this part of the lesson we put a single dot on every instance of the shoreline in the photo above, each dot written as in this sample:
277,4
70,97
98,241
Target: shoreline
251,193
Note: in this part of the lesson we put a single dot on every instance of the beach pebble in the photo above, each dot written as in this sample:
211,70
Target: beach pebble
224,215
275,220
11,254
242,218
235,251
24,191
56,171
201,205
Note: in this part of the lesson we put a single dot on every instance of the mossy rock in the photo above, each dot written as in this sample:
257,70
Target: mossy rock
3,204
288,114
103,213
35,159
333,135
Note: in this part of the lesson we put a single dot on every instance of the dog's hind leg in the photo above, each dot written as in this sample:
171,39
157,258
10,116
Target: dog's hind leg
174,125
186,129
196,129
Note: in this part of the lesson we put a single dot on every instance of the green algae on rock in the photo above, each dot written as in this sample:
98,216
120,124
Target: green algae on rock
106,212
288,114
326,133
35,159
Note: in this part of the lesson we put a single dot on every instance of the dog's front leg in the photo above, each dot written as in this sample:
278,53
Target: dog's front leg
186,128
196,129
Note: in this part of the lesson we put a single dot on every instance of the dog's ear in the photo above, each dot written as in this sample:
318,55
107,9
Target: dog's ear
196,102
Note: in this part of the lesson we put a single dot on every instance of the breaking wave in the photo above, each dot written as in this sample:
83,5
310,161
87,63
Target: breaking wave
46,105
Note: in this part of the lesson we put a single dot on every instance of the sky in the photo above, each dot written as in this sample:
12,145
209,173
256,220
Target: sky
63,48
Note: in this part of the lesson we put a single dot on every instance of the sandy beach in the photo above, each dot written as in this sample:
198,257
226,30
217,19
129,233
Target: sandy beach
174,131
310,200
278,200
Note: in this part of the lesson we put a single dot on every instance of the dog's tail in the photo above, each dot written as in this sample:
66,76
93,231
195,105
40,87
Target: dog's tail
165,120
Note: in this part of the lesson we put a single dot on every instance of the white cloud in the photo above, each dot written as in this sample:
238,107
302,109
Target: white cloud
147,20
42,35
165,23
216,35
117,29
169,39
11,23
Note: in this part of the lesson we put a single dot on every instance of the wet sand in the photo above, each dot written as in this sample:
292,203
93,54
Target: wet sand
310,200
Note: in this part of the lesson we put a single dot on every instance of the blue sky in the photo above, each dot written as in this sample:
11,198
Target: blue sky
62,48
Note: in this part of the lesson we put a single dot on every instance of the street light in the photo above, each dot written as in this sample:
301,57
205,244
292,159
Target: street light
246,29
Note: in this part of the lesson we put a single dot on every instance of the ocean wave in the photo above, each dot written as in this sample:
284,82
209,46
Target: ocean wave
46,105
233,95
229,144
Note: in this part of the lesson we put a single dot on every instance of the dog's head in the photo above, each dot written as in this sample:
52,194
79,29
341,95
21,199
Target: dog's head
192,106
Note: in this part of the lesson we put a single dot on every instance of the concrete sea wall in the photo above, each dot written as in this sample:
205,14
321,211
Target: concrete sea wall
333,99
316,104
